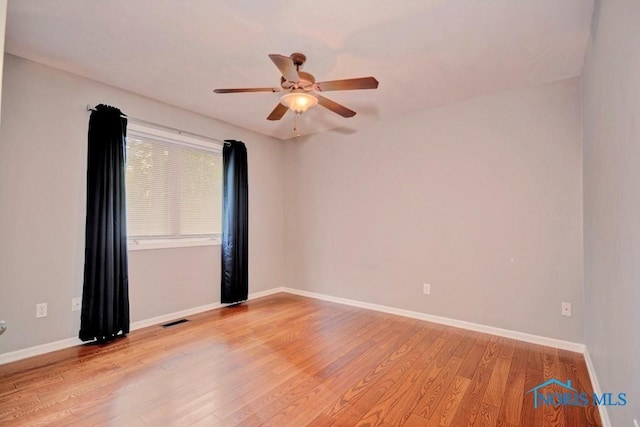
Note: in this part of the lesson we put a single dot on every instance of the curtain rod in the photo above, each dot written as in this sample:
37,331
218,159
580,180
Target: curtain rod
178,131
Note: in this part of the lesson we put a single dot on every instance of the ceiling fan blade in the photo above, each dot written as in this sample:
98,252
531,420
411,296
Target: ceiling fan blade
286,66
278,112
335,107
247,89
348,84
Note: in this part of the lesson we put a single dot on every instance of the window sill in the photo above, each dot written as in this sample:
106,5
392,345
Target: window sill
147,244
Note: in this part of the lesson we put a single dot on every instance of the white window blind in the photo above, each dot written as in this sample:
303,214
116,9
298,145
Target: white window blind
173,185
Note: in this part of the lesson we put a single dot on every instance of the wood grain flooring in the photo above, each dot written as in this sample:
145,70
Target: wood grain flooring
286,360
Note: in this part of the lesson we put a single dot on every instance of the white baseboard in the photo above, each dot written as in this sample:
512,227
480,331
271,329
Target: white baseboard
37,350
195,310
69,342
521,336
604,415
173,316
268,292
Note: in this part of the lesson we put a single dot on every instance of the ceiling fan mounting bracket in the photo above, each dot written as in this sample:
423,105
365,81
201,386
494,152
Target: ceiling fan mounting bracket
298,59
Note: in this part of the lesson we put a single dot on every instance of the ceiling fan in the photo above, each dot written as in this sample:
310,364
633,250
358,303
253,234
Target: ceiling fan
300,87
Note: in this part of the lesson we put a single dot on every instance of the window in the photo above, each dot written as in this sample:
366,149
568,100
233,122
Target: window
174,189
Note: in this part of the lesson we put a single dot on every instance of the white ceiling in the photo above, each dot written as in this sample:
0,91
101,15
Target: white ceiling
423,52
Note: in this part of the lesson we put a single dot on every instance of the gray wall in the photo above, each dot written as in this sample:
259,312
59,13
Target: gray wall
3,24
611,91
482,199
43,139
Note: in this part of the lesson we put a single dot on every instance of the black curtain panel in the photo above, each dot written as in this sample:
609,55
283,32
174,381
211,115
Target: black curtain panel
105,294
235,224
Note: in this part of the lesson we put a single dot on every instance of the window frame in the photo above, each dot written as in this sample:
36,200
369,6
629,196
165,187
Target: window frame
136,130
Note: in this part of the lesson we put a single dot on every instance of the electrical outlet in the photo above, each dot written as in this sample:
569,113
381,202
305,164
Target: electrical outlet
565,309
76,304
426,289
41,309
3,326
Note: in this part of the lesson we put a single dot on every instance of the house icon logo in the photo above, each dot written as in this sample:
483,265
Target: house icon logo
535,392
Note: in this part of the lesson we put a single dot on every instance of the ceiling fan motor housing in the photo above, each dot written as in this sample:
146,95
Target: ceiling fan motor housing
306,82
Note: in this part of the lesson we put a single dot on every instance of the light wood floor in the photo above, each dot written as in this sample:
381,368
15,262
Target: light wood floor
285,360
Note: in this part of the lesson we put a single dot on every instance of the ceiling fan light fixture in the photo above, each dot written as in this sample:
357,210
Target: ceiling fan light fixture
298,102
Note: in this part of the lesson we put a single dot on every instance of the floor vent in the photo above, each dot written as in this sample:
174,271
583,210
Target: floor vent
174,323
